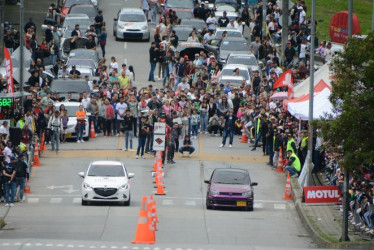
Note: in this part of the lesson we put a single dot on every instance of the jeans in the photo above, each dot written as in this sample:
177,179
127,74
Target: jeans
258,138
194,130
188,149
269,147
151,76
93,119
135,125
141,144
80,129
166,74
53,58
12,188
21,184
107,126
149,139
103,49
128,134
153,13
98,30
119,125
292,170
228,132
177,80
171,149
204,122
55,140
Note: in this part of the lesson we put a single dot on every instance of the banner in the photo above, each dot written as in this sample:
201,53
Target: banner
9,71
285,80
322,194
338,27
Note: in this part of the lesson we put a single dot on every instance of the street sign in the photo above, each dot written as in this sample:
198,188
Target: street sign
158,142
159,128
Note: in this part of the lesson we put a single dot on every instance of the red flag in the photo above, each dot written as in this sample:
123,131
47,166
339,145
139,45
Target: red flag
9,71
285,80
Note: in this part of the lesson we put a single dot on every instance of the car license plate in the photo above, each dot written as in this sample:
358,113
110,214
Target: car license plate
68,134
241,203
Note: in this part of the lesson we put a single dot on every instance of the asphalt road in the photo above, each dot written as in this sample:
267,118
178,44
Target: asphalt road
52,216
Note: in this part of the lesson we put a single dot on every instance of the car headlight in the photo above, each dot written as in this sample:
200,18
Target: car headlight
213,192
145,27
121,26
124,187
86,185
247,194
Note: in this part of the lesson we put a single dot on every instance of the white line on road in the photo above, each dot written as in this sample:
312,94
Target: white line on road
125,45
55,200
258,205
53,195
167,202
32,200
280,206
190,203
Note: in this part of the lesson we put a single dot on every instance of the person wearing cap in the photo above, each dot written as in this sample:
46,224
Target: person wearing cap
74,73
293,166
22,174
9,178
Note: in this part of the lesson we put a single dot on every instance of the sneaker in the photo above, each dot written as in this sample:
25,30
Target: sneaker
117,134
7,204
221,146
206,132
182,153
189,155
104,134
253,149
125,149
230,146
78,141
12,204
21,200
82,141
143,157
137,156
172,162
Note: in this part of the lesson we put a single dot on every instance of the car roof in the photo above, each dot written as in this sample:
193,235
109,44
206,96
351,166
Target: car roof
225,28
242,54
76,16
230,38
118,163
237,170
234,66
228,77
68,104
131,10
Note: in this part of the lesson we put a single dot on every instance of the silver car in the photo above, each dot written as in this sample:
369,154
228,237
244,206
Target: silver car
131,23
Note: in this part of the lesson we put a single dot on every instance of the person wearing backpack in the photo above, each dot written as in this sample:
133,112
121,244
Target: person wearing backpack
55,125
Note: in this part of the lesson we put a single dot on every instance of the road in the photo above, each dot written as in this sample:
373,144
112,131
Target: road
52,216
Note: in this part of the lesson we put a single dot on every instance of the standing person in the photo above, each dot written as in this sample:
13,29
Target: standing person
278,142
65,121
153,6
9,175
259,121
55,125
144,5
195,120
121,108
108,111
102,40
81,120
229,129
128,130
204,116
153,57
143,132
173,143
133,107
269,143
99,22
22,174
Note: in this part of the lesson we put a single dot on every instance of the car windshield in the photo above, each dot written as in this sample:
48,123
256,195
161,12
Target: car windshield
194,23
91,12
69,3
230,33
230,177
83,53
228,72
182,4
183,34
235,82
184,14
234,45
106,170
246,60
72,110
80,62
70,86
132,18
84,23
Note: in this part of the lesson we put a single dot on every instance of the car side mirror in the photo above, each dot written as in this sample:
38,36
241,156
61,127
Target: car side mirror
254,184
207,181
115,19
81,174
131,175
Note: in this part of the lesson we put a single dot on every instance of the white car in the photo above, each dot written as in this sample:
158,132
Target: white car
106,181
72,108
231,32
131,23
228,70
244,58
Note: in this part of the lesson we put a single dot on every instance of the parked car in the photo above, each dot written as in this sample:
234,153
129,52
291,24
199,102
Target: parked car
226,46
228,70
180,4
65,7
72,108
106,181
74,86
183,32
89,10
233,80
131,23
71,20
190,49
82,62
231,32
247,59
194,23
230,187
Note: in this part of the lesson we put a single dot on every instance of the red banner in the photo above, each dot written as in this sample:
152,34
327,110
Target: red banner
322,194
9,71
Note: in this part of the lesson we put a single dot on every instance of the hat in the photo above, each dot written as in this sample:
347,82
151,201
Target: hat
105,93
21,155
255,70
123,64
289,42
73,66
185,57
197,55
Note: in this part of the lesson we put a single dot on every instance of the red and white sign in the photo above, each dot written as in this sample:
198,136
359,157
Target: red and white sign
9,71
285,80
159,142
322,194
339,27
159,128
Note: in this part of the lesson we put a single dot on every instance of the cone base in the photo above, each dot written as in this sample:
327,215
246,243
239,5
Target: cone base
287,198
143,242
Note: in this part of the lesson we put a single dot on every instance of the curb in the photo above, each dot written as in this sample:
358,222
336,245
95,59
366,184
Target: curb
317,238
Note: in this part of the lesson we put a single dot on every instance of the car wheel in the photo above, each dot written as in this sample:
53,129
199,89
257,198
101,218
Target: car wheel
86,138
250,208
127,203
84,203
209,207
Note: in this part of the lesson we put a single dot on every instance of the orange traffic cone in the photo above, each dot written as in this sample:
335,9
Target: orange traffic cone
151,214
288,193
42,144
36,162
280,162
92,131
160,186
144,231
27,188
244,136
154,209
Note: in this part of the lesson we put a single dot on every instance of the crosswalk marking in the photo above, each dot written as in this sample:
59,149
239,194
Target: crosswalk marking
32,200
167,202
190,203
280,206
258,205
56,200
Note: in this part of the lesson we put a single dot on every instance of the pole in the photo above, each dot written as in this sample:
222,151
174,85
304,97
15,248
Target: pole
311,94
263,19
372,18
345,236
21,60
2,6
284,28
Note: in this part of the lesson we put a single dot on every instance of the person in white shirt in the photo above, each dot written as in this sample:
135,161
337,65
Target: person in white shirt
85,100
7,152
209,36
4,129
277,69
211,21
328,53
121,112
239,25
183,84
302,15
231,24
113,64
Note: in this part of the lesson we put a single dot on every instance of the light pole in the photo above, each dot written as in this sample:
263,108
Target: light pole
284,28
21,42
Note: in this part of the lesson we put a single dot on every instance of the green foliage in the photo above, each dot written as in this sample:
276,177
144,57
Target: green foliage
353,100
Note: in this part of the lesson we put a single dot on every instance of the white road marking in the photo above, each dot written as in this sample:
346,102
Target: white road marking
125,45
77,200
116,4
5,244
53,195
49,245
60,245
125,247
70,246
190,203
258,205
81,246
103,247
167,202
280,206
17,244
32,200
92,247
56,200
125,62
113,247
27,245
38,244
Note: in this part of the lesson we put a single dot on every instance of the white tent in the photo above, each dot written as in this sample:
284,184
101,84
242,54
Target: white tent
321,106
323,73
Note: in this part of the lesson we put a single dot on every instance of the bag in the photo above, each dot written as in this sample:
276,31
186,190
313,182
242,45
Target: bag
102,42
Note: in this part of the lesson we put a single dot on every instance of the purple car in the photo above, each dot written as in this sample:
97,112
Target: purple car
230,187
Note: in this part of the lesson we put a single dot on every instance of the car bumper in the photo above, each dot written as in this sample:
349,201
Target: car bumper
229,201
133,34
120,195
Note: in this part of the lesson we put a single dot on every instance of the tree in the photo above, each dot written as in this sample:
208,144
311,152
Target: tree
352,125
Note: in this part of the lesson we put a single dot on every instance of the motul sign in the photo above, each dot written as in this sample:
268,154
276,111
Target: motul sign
322,194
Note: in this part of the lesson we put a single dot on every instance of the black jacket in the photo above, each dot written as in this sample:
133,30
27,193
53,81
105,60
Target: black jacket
128,123
22,169
153,55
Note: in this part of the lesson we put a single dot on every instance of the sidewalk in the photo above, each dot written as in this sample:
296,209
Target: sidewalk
324,223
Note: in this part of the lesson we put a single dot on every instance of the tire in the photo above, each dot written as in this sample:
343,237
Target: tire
250,208
127,203
208,207
84,203
86,138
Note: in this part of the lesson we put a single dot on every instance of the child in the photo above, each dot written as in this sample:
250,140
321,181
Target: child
195,120
65,120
